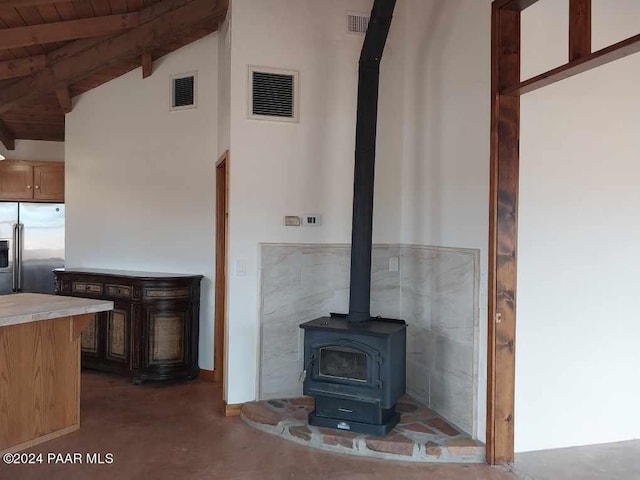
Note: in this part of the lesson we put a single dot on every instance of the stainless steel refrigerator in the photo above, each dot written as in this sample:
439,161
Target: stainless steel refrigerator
31,246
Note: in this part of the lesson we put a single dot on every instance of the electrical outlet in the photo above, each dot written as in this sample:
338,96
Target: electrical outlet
394,264
311,220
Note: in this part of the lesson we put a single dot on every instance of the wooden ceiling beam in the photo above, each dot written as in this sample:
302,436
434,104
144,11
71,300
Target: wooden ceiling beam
7,4
147,64
64,31
21,67
64,99
75,65
516,5
7,137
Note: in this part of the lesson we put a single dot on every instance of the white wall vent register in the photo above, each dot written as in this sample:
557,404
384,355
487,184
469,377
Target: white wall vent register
273,94
357,23
184,91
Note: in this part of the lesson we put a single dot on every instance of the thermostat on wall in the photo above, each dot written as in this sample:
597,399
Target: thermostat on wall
292,221
311,220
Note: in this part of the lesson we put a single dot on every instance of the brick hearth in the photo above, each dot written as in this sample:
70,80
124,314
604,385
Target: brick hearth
421,435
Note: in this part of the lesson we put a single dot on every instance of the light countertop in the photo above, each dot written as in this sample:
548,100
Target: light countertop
32,307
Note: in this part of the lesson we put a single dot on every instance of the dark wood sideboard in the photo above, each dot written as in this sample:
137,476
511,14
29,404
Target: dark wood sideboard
152,332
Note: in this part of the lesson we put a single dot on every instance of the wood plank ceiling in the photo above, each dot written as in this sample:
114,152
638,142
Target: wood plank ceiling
52,50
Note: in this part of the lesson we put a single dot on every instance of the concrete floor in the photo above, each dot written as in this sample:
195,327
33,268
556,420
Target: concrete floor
612,461
176,432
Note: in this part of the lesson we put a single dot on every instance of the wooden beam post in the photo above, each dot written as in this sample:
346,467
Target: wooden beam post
64,99
7,137
579,29
21,67
147,64
503,216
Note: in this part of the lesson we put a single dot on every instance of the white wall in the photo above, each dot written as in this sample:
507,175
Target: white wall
445,173
577,332
445,165
435,102
140,186
307,167
35,150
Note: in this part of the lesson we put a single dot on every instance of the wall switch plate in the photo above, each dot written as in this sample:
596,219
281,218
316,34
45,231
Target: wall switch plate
241,268
311,220
394,264
292,221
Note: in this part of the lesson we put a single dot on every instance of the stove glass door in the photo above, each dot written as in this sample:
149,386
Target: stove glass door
339,362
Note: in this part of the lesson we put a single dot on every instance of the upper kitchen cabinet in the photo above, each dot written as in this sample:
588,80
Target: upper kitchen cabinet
48,182
16,181
32,181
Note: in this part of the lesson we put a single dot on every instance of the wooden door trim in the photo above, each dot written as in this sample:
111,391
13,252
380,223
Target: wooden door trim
503,216
222,245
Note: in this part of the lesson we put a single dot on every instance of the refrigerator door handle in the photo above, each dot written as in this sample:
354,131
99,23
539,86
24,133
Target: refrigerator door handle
14,271
19,248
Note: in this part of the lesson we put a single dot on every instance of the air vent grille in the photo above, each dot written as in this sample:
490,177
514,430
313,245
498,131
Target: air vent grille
357,23
183,91
273,94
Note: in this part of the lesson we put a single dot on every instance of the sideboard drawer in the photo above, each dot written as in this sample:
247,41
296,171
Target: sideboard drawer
122,291
160,293
87,287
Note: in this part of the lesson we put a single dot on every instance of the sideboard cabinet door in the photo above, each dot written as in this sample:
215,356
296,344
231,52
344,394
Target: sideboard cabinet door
165,332
90,339
117,338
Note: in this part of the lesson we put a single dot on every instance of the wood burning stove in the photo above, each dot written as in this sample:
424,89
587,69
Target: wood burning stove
356,373
355,364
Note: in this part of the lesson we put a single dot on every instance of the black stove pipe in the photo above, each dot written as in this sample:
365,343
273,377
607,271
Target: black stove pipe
367,118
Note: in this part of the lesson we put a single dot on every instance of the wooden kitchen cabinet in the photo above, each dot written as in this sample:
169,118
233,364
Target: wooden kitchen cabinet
16,181
32,181
48,182
152,332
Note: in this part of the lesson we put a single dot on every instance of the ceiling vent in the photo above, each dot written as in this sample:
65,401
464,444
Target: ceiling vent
273,94
184,91
357,23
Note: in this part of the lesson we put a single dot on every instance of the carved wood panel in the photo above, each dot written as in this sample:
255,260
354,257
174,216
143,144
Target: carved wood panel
89,337
117,335
166,341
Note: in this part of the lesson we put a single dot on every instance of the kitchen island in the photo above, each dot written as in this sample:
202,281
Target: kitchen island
40,366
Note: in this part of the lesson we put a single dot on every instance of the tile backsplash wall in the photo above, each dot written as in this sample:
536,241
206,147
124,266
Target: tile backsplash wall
434,291
439,303
303,282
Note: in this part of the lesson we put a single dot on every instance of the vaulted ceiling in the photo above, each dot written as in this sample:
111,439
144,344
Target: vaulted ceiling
52,50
